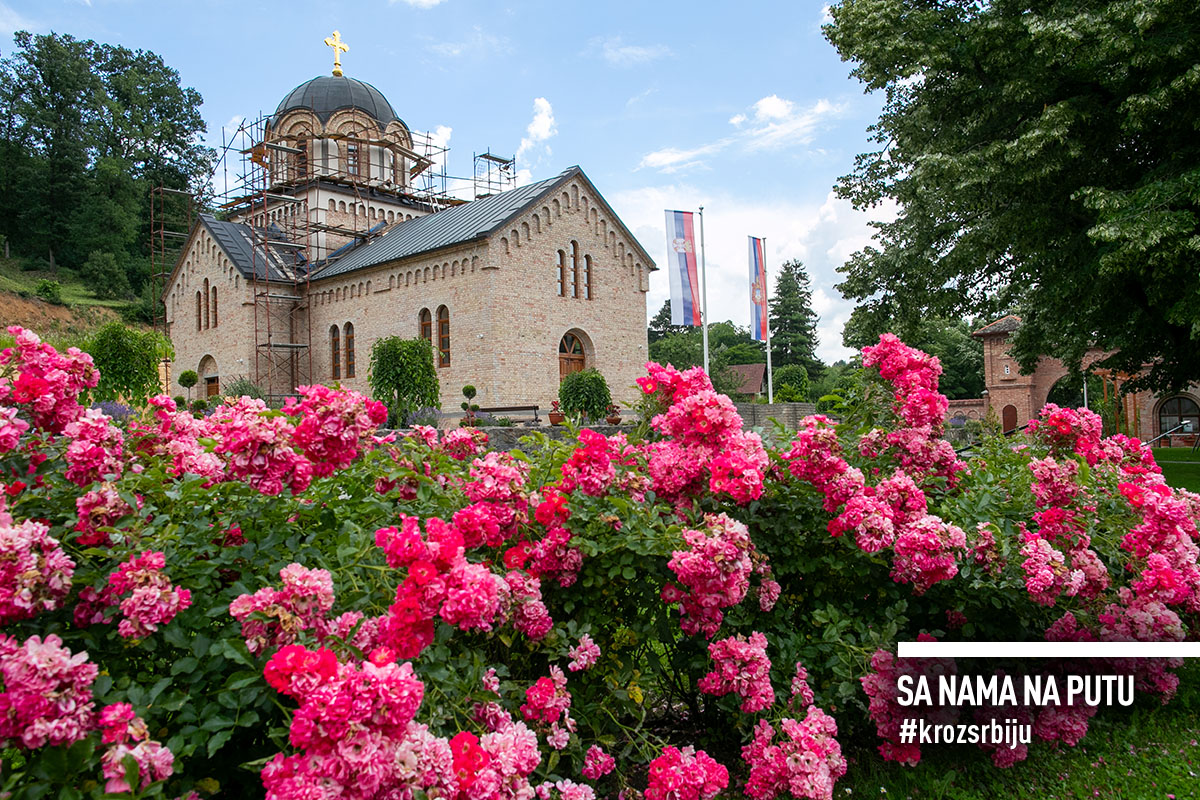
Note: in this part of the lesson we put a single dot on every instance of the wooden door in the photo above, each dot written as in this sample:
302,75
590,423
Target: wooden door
570,356
212,387
1008,418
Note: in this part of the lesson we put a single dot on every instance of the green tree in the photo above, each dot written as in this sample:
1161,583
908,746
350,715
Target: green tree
1041,155
951,341
791,384
128,361
403,377
187,379
727,344
104,276
793,321
660,325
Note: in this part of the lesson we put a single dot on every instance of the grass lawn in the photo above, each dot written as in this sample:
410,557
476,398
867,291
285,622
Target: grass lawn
74,291
1149,751
1180,466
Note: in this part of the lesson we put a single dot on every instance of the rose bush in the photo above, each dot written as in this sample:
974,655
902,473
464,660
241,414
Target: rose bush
285,601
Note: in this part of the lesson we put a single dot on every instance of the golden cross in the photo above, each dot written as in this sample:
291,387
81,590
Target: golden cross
339,47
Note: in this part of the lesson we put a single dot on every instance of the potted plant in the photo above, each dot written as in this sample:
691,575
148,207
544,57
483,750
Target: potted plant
614,414
556,415
470,408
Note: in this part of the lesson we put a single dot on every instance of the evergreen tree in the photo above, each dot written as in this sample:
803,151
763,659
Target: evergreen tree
793,321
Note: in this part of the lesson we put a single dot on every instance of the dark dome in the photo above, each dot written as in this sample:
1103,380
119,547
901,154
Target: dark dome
327,94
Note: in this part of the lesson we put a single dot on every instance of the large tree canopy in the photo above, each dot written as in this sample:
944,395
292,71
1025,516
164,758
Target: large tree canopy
86,130
1045,157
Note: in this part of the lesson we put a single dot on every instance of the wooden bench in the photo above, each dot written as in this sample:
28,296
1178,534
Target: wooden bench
511,409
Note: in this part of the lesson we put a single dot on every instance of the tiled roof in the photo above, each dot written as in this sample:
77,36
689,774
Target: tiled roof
474,220
752,376
1003,325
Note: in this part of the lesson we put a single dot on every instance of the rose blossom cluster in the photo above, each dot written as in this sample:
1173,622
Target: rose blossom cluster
806,762
47,696
548,702
45,383
583,655
1068,430
128,736
441,582
1163,543
686,774
35,574
884,708
893,513
258,447
597,763
275,617
152,599
101,507
742,668
177,437
713,573
703,437
917,445
335,426
95,449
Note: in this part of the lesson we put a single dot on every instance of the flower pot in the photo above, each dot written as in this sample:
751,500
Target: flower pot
615,419
556,418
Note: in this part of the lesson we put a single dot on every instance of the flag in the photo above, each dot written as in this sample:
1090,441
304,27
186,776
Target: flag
758,291
685,282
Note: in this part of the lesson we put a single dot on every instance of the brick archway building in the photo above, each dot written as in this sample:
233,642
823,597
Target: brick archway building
1016,398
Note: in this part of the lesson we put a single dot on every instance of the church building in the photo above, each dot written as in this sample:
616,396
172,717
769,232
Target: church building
336,248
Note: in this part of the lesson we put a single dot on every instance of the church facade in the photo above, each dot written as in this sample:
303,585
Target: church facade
513,291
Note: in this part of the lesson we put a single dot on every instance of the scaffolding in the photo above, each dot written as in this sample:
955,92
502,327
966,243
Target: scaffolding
493,174
276,184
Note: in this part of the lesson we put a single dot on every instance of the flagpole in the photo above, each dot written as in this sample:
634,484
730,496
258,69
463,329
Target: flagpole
703,294
767,302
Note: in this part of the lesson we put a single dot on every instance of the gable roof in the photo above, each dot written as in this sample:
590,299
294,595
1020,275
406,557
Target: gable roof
471,221
246,253
1003,325
752,376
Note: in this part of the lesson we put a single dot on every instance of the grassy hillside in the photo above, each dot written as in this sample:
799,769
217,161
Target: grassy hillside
81,311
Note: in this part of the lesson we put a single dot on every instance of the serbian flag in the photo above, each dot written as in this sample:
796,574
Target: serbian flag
758,290
685,280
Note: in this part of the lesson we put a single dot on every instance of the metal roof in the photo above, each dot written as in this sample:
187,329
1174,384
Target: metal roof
247,253
326,94
474,220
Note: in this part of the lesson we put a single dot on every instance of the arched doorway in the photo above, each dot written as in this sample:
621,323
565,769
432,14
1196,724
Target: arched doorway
1008,418
571,356
209,377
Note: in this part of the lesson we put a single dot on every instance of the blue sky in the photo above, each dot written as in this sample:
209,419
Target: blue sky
742,108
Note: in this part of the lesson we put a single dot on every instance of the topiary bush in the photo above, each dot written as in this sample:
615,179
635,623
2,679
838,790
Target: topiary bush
403,376
585,394
187,379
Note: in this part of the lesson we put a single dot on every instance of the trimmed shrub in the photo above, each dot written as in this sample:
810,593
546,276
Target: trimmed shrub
585,394
403,377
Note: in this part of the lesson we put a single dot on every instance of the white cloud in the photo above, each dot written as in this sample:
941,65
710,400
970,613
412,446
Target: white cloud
619,54
673,159
815,233
418,3
776,123
477,43
640,96
11,22
826,16
540,129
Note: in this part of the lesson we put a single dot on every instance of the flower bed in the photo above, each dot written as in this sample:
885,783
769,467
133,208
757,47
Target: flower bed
285,602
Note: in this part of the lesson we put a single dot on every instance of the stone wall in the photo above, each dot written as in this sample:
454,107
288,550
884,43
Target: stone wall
760,414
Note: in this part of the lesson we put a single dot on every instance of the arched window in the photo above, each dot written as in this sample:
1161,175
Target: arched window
562,273
443,336
570,355
199,312
587,277
425,325
349,350
1179,411
574,269
335,353
206,318
351,159
214,306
